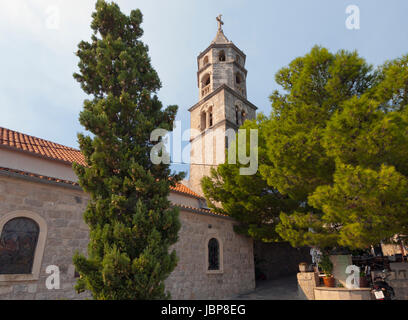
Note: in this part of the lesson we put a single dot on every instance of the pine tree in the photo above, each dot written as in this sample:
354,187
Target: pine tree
132,225
337,142
332,156
247,198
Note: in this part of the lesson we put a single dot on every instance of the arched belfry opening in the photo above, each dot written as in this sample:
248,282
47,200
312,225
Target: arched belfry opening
238,78
243,116
203,122
205,61
205,84
221,56
210,117
206,80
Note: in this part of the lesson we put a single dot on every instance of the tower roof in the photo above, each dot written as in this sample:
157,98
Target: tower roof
220,38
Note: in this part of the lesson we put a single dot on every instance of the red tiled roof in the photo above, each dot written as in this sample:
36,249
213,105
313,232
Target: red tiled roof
54,151
183,189
39,147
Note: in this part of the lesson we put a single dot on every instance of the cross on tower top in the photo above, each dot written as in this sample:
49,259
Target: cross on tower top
220,22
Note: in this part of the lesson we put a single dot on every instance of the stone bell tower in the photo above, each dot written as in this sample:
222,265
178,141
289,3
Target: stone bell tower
222,105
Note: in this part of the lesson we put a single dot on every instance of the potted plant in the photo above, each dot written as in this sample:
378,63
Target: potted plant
327,267
363,279
303,266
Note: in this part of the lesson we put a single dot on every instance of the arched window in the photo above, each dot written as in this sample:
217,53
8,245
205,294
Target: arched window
236,116
205,84
205,61
213,254
206,80
238,78
210,117
243,117
203,120
221,55
18,242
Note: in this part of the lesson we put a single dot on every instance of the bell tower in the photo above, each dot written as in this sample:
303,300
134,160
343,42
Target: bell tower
222,107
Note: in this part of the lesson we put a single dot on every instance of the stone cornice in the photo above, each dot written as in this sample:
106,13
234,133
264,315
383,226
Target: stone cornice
225,121
33,178
219,89
221,45
202,211
245,71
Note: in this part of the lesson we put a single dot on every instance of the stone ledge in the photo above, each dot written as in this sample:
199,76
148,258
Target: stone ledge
326,293
342,289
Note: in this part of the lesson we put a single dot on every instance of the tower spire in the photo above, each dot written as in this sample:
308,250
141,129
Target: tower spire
220,37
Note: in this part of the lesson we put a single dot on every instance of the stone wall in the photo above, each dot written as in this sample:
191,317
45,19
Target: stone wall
62,210
279,259
307,282
392,249
190,279
398,279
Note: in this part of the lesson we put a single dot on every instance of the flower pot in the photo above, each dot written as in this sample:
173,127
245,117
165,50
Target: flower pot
303,267
363,282
329,282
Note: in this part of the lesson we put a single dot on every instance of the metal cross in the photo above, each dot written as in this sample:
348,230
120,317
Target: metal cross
220,22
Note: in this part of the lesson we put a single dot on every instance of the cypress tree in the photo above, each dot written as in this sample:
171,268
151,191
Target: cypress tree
131,222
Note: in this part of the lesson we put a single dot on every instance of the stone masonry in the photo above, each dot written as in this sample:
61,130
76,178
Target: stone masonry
62,209
190,279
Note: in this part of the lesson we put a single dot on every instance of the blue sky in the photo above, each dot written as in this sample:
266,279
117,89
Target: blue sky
39,96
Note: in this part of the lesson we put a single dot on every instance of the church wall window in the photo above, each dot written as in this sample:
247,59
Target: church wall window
18,241
213,254
22,241
236,116
210,117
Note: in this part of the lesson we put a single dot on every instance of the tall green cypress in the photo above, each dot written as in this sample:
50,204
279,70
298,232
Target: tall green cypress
131,222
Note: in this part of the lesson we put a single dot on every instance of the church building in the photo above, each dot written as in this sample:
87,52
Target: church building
41,203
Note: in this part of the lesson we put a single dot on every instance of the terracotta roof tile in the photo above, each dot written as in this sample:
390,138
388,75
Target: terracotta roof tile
54,151
183,189
40,147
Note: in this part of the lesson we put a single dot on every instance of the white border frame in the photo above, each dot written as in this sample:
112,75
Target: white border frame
39,250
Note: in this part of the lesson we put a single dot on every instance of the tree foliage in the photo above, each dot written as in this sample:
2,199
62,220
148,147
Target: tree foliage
247,198
336,145
131,223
